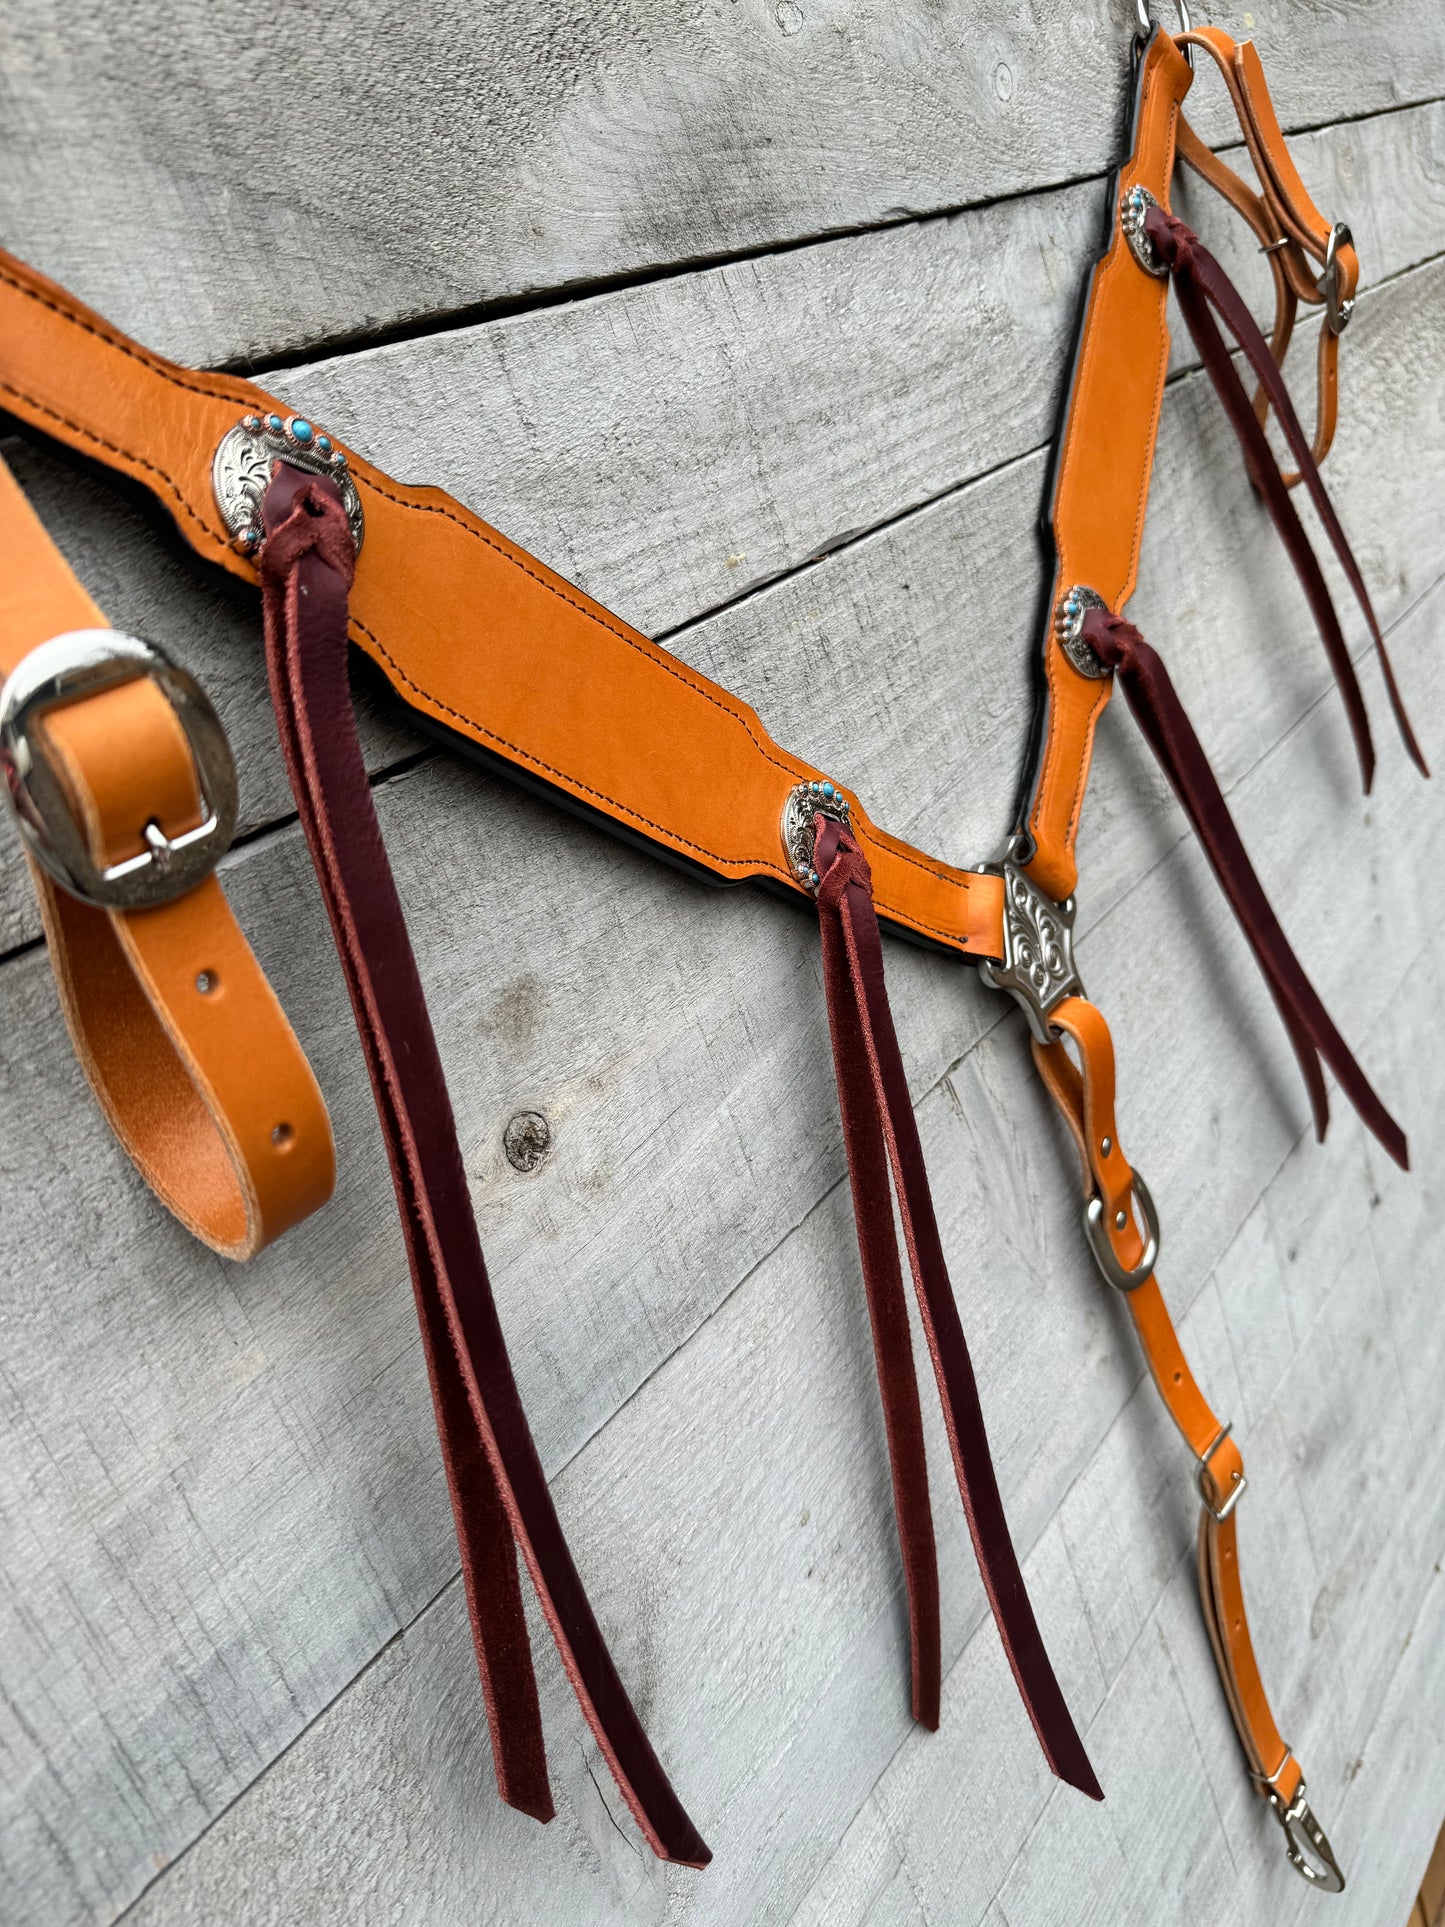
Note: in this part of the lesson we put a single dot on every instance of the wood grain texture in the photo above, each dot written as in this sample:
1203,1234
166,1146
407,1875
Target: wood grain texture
801,1696
243,184
236,1668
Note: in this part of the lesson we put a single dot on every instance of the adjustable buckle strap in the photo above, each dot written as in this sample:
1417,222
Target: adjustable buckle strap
71,668
122,785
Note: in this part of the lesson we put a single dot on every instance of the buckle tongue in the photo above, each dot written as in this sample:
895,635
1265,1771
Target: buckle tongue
67,669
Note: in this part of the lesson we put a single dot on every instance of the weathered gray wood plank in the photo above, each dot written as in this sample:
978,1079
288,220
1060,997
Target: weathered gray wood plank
225,192
1035,1369
799,1682
637,950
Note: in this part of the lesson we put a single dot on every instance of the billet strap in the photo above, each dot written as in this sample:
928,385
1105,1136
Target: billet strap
484,642
174,1023
1169,733
498,1488
880,1133
1104,454
1286,221
1114,1194
1202,286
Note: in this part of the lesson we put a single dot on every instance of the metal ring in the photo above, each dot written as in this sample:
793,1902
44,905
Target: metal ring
1146,23
1097,1233
68,669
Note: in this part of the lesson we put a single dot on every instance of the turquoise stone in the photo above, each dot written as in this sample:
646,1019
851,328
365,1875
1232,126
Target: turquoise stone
273,421
303,431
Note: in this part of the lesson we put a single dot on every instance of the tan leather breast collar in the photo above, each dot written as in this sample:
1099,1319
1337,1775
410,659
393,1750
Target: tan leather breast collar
490,646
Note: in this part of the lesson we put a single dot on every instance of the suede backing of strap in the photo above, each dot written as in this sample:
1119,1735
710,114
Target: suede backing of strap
877,1115
498,1487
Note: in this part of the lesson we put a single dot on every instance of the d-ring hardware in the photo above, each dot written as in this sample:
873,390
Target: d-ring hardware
67,669
1098,1235
1337,312
1146,23
1306,1843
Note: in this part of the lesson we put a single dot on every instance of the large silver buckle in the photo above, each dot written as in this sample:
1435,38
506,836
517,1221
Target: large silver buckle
1306,1844
1038,968
67,669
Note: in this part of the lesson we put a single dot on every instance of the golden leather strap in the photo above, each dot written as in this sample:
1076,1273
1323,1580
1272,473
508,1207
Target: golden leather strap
1288,225
174,1023
474,634
1104,456
1115,1200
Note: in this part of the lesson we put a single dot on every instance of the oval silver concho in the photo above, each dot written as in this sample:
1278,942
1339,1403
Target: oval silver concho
1069,628
1134,206
804,806
246,457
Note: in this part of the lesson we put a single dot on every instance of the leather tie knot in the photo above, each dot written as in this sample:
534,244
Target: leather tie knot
316,521
1175,240
839,862
1113,639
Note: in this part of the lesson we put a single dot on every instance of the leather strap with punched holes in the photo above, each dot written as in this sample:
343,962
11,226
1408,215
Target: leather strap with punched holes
1084,1094
174,1023
479,638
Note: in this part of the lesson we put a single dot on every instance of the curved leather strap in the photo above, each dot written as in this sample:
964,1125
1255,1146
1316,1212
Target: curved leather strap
1084,1095
878,1113
1202,285
478,637
1285,219
188,1052
497,1483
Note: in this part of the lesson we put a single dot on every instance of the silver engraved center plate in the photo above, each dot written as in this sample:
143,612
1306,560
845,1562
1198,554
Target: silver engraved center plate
1134,206
804,806
1038,962
246,459
1069,628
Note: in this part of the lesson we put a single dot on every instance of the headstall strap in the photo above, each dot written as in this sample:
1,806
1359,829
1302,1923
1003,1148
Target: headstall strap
123,788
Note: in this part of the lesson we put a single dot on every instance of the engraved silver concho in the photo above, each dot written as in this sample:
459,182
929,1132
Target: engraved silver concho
246,457
1069,628
804,806
1038,963
1134,205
